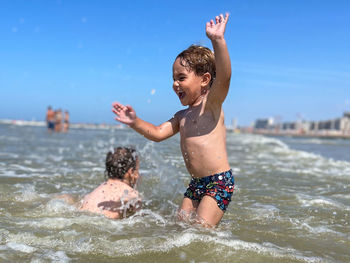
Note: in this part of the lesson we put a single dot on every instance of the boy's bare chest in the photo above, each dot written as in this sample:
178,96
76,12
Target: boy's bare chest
197,124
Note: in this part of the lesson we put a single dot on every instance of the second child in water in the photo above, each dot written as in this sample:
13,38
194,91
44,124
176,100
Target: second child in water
116,198
201,81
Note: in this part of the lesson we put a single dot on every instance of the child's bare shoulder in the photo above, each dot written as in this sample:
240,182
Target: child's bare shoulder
180,114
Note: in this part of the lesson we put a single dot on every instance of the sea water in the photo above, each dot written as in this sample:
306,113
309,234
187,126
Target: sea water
291,201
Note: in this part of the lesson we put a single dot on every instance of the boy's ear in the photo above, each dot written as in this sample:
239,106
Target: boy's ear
206,77
130,171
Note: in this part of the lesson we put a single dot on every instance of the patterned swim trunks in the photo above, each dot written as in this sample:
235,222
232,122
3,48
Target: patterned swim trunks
219,186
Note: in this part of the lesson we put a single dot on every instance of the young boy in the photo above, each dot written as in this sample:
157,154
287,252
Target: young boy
116,197
201,81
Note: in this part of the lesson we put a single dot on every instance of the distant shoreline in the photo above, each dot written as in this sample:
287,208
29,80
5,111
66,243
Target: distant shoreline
102,126
320,135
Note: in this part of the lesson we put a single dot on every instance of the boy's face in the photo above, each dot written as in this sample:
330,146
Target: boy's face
187,85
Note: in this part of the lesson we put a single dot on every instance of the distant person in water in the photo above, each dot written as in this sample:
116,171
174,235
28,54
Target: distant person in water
66,121
58,120
50,119
201,82
116,198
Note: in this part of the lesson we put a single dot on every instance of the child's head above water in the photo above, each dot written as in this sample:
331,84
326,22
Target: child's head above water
198,59
120,162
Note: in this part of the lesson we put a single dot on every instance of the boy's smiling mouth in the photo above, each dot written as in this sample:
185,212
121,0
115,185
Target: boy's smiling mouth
181,94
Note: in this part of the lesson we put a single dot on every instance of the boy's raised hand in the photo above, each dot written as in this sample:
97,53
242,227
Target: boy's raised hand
125,114
216,30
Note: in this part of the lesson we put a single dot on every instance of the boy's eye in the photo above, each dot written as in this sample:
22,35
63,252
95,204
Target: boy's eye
181,78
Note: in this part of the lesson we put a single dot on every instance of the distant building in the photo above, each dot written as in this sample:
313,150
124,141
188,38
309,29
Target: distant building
339,124
288,126
344,123
303,126
234,123
333,126
264,123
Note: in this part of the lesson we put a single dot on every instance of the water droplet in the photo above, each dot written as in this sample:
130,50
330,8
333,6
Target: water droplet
182,255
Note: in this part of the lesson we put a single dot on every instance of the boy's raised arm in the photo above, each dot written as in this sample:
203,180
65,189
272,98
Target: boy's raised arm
215,32
127,115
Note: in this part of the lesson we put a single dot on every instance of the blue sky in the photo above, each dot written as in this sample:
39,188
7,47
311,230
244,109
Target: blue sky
289,58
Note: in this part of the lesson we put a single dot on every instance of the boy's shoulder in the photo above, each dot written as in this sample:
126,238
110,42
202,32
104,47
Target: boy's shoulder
180,114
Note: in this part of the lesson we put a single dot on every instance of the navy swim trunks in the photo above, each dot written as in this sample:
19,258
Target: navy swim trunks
219,186
51,125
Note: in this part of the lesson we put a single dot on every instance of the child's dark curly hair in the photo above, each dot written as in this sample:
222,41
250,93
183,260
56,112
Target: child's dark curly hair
119,162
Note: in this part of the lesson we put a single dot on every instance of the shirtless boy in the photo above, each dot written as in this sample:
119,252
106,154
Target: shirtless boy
116,198
201,81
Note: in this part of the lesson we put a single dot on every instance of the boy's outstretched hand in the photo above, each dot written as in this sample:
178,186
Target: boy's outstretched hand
125,114
216,30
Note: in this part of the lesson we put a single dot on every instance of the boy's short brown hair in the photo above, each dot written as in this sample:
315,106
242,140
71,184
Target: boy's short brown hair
198,59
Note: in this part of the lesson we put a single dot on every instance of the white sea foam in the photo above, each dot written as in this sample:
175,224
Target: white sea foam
55,206
27,193
258,140
26,168
277,146
135,246
319,201
320,230
52,256
269,249
308,228
9,155
260,211
54,223
21,247
281,157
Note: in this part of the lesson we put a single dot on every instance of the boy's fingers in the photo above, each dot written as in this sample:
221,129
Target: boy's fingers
115,104
222,20
217,19
207,25
115,109
128,107
226,17
119,107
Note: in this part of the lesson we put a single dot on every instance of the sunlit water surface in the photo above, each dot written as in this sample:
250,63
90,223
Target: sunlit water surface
291,203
